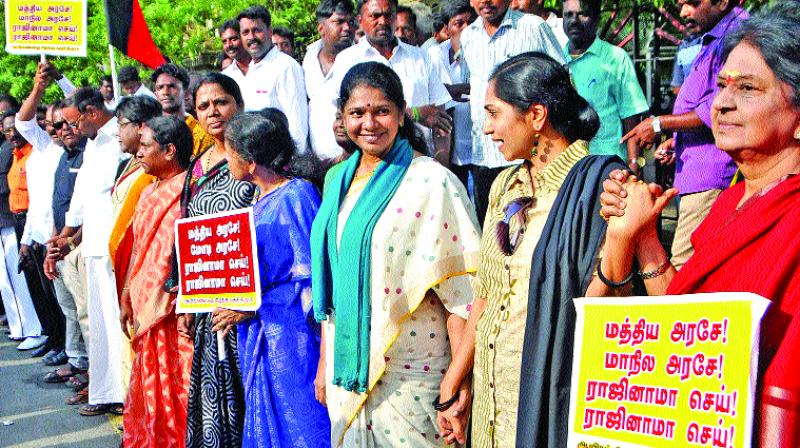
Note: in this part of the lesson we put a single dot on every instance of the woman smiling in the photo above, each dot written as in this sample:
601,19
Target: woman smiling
749,240
392,246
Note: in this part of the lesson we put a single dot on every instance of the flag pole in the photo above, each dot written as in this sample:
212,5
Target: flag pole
114,73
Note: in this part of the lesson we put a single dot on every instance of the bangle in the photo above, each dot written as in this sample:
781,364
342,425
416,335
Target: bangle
415,113
656,272
608,282
441,407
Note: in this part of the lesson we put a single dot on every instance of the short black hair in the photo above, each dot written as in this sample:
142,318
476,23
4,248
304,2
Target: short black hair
41,109
138,109
8,113
4,97
256,12
84,97
106,78
327,8
128,73
230,24
412,16
438,21
456,7
285,33
171,129
360,5
172,70
592,6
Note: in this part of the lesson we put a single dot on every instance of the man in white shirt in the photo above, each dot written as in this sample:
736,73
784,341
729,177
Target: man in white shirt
131,83
536,7
456,14
107,90
424,91
92,211
40,170
336,27
273,79
498,34
234,50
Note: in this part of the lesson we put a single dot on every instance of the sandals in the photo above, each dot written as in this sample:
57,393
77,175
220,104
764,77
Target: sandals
62,375
78,381
91,410
79,398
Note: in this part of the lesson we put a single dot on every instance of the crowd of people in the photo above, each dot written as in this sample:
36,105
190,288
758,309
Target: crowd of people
426,207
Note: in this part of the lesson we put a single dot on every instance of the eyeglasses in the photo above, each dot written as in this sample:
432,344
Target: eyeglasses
57,125
74,125
516,209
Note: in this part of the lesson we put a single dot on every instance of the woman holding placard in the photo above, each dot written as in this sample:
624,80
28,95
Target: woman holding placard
279,345
216,398
749,240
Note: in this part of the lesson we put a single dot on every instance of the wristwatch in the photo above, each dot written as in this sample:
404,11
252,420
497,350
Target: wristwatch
71,243
656,123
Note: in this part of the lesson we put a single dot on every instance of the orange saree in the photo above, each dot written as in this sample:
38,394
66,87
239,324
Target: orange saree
155,410
125,196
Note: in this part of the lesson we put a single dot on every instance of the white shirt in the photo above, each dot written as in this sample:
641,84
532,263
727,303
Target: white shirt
321,109
421,79
277,81
41,170
91,204
144,91
462,123
518,33
557,27
235,73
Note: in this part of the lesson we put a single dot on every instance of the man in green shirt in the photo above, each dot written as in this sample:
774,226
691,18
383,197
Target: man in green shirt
604,75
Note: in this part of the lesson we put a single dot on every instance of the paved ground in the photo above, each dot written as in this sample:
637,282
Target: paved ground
40,417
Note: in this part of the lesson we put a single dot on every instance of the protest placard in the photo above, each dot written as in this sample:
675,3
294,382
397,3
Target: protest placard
218,262
677,371
53,27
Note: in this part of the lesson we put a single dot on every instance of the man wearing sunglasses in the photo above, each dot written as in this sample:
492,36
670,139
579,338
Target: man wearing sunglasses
52,168
91,210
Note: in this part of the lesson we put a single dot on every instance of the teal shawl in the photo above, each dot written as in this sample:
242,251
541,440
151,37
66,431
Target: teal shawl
342,284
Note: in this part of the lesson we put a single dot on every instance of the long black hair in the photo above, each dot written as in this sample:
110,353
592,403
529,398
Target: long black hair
383,78
536,78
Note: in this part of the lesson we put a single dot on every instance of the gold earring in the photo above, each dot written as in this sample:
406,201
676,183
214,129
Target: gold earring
535,150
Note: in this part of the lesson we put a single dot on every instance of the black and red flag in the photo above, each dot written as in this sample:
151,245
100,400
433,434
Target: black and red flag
128,32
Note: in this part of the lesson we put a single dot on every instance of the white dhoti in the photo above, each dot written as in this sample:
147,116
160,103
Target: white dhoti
22,318
105,351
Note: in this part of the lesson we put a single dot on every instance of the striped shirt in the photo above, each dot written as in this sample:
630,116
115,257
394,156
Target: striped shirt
503,282
518,33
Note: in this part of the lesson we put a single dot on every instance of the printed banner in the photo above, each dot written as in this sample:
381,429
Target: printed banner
54,27
677,371
218,262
